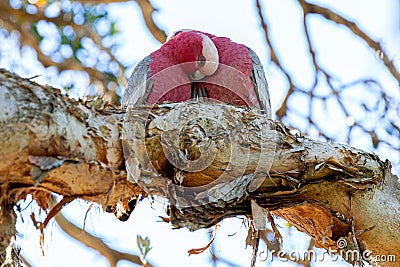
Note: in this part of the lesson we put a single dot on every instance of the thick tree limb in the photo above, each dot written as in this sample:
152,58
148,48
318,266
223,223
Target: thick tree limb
327,190
50,143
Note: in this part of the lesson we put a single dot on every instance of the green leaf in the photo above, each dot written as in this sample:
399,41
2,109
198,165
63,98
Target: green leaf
144,247
35,32
113,29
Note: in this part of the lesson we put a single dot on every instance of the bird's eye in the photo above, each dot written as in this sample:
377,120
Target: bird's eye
175,33
201,61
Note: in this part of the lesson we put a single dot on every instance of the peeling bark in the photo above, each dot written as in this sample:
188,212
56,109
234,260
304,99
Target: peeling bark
50,143
327,190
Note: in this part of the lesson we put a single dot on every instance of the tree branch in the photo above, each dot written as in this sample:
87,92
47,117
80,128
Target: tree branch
9,15
147,12
51,143
113,256
329,14
281,112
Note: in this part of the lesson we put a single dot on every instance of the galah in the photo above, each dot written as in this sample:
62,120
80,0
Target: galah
197,65
193,64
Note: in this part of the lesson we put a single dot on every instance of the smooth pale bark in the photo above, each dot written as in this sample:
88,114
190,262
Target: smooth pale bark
50,143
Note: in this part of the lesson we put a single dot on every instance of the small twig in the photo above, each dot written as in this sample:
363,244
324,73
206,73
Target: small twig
329,14
113,256
281,112
147,12
56,209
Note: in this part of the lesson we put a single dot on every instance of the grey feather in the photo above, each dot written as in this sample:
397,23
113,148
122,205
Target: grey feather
139,84
260,83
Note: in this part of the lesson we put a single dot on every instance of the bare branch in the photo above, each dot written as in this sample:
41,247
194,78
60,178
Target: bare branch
281,112
329,14
275,248
383,106
147,11
113,256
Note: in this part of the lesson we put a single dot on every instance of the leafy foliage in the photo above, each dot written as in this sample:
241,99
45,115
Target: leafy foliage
68,35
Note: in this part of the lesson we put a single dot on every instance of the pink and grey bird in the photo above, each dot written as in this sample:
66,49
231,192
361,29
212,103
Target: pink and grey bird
194,64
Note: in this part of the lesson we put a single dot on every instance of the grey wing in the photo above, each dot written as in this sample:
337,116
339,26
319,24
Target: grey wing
260,83
139,84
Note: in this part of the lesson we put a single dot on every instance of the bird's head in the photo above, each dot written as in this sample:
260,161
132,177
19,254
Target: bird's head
195,51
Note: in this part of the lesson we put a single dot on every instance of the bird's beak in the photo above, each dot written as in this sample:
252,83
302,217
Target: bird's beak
197,75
